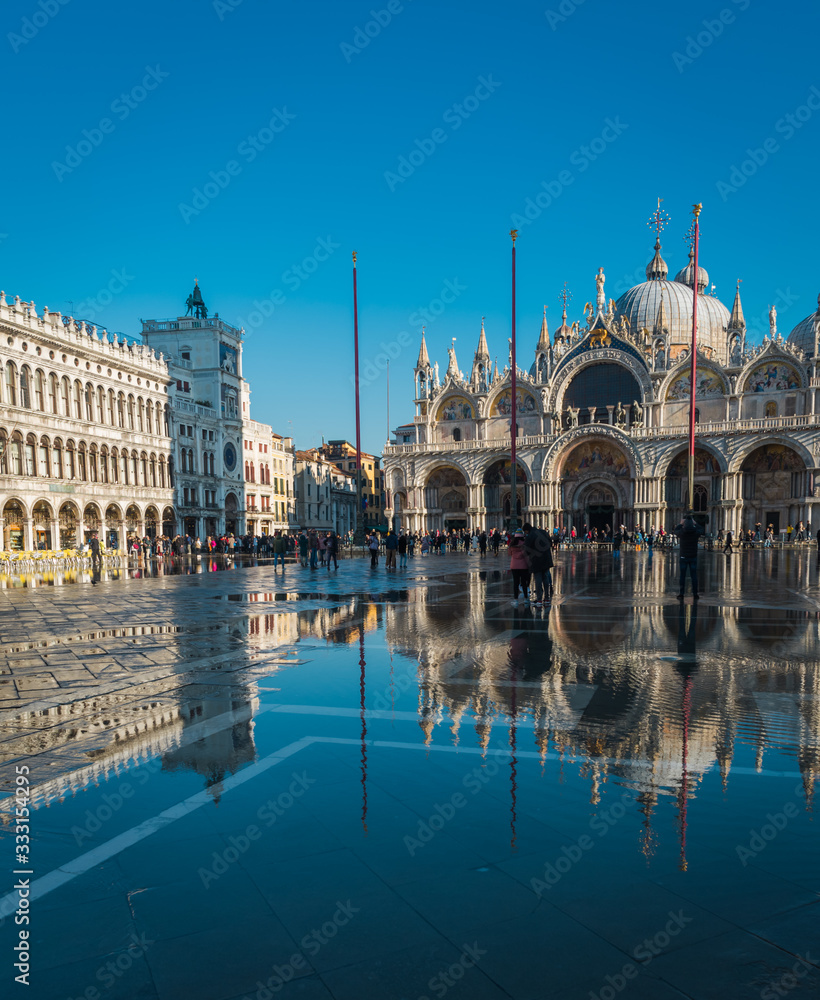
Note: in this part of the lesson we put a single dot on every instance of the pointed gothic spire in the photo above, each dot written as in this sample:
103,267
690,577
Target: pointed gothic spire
544,337
424,358
737,322
481,363
661,323
482,351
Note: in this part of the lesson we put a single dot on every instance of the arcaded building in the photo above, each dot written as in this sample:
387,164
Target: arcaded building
85,436
602,421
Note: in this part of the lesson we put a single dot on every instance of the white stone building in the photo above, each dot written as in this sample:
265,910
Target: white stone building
602,421
84,433
205,360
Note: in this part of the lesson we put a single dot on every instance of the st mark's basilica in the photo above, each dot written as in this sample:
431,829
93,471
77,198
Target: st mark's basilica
602,421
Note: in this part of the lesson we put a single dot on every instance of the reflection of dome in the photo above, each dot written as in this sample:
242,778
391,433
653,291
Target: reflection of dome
640,305
802,336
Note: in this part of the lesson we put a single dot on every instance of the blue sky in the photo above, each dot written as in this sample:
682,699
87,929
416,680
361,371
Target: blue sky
299,127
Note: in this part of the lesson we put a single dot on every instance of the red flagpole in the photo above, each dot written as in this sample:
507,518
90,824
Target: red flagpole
693,389
514,402
359,539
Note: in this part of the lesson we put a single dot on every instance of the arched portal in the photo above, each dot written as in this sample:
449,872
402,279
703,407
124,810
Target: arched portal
151,521
707,487
596,391
497,486
446,497
775,481
169,522
68,520
14,525
595,478
42,516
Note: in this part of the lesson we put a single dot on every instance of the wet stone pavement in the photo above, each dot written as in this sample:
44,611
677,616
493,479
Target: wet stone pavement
396,785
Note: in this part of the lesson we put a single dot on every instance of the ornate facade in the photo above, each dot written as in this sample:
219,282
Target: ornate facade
602,421
84,433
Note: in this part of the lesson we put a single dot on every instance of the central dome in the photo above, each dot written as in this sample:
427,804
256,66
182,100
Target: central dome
641,305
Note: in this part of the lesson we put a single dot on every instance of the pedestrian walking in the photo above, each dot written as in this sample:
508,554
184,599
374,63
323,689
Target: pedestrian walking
391,545
519,567
96,558
402,550
727,548
373,548
313,541
303,548
689,531
538,547
331,549
279,549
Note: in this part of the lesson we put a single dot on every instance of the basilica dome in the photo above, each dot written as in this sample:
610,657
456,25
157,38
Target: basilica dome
641,306
686,276
802,336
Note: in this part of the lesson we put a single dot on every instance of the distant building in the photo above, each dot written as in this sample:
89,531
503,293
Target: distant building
85,437
325,495
374,500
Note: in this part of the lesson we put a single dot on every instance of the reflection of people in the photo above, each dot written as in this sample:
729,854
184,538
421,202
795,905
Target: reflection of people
689,531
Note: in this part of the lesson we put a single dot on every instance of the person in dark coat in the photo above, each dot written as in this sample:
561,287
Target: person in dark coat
689,531
538,546
96,558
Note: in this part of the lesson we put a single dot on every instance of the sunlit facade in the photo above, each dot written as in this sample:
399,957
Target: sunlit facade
602,421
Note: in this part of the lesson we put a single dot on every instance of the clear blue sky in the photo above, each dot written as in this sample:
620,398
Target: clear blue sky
220,70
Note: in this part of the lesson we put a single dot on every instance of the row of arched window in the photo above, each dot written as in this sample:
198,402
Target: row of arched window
35,390
68,460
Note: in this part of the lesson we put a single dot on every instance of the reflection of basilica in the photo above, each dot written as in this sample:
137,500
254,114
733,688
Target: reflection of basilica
602,421
596,686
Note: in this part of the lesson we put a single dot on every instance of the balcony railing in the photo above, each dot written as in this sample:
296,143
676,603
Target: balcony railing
797,422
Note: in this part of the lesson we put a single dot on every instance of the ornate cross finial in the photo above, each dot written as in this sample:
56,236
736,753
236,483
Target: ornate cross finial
565,296
658,220
738,283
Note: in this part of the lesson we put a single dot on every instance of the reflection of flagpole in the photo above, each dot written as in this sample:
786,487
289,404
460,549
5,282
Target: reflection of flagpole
513,760
696,237
514,400
364,725
359,513
687,705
